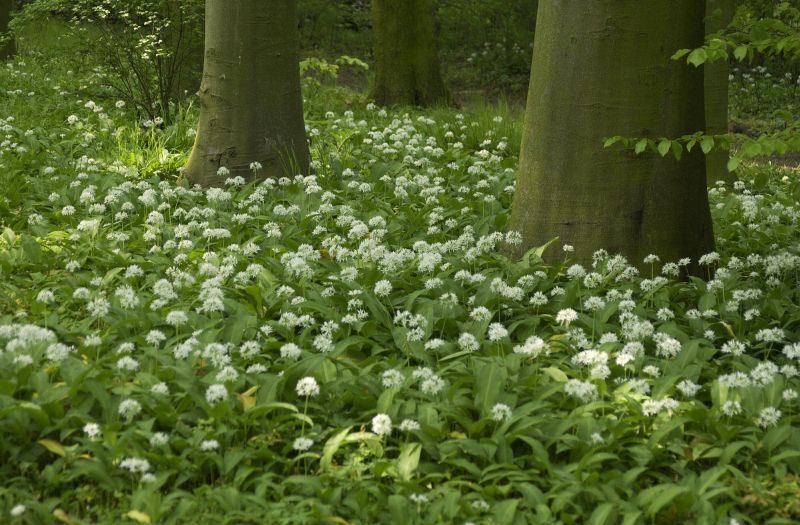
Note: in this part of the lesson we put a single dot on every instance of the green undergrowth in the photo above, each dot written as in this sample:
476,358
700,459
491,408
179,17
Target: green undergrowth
352,346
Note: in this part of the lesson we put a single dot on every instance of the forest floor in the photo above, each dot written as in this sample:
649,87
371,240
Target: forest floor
352,346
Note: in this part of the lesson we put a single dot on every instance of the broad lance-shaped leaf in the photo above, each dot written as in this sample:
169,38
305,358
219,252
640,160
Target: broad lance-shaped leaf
330,448
408,460
489,383
556,374
657,497
602,513
53,446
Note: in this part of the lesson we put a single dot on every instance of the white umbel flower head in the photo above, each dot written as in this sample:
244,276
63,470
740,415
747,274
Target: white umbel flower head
307,387
92,430
501,412
382,425
216,393
302,444
129,408
496,332
566,316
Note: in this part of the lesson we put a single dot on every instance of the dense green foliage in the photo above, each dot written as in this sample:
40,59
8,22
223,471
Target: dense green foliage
149,52
155,339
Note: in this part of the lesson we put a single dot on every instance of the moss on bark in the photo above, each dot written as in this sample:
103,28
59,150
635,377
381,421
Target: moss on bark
407,68
251,109
602,68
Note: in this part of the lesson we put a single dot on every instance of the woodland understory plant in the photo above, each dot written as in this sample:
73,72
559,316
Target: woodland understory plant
352,345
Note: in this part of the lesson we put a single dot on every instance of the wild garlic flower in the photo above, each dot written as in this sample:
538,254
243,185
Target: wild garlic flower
129,408
566,316
216,393
501,412
307,387
302,444
382,425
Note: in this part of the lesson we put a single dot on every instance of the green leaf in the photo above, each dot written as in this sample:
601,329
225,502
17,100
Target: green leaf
372,441
776,436
94,470
32,249
697,57
53,446
640,146
490,381
707,144
657,497
399,509
9,236
677,149
260,410
386,399
733,163
664,147
602,513
740,53
538,251
632,518
556,373
505,511
680,54
330,448
408,461
708,478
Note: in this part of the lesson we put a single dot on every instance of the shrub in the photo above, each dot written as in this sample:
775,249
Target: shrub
149,52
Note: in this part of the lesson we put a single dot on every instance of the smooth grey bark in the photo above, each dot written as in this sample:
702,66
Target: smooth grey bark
251,108
602,68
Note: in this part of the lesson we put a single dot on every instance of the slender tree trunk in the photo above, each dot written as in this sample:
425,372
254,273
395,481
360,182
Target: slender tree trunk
251,108
719,14
9,47
406,58
602,68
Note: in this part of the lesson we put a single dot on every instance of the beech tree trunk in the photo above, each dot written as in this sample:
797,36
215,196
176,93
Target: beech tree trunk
251,109
602,68
406,58
8,48
719,14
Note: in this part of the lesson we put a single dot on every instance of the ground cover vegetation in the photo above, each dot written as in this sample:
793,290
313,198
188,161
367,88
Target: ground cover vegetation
354,344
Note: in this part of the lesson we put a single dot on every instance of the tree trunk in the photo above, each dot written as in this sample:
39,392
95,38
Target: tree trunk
602,68
8,48
251,109
406,58
719,14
